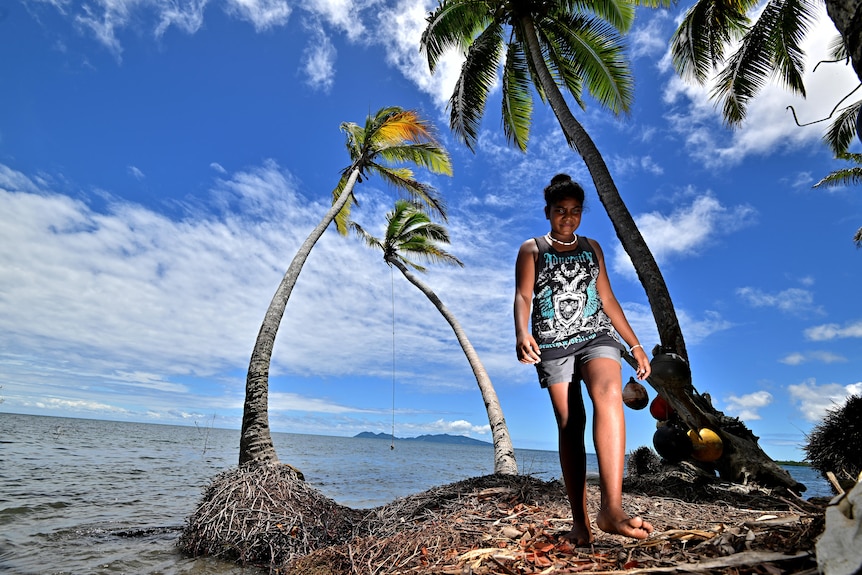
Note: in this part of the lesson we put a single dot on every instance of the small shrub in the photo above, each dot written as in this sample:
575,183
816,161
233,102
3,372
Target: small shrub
835,444
643,461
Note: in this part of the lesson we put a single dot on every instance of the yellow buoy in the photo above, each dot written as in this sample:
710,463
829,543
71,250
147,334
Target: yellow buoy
706,444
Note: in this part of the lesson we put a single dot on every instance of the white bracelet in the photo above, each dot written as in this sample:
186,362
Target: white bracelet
632,348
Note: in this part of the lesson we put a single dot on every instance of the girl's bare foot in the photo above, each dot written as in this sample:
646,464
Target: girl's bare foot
617,522
580,535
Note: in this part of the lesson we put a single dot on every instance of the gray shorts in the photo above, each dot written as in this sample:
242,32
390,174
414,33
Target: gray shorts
565,369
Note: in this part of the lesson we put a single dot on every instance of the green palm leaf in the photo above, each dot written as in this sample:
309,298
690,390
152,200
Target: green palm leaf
842,131
697,46
478,76
452,25
592,51
517,98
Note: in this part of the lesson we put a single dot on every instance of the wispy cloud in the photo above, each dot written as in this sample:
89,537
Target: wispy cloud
834,331
799,358
792,300
746,407
684,231
319,59
813,400
262,14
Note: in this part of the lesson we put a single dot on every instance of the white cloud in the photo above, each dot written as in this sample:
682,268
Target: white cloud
647,38
685,231
400,30
746,406
834,331
799,358
342,14
187,15
136,173
262,14
319,60
625,166
794,300
813,401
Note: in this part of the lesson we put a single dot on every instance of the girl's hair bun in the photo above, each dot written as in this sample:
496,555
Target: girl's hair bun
559,178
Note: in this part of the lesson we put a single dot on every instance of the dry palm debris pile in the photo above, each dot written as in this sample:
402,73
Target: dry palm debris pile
503,525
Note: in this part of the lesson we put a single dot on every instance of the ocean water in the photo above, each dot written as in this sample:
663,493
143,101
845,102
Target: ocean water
82,496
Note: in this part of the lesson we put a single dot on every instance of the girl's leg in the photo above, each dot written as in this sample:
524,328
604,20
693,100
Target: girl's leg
571,419
603,378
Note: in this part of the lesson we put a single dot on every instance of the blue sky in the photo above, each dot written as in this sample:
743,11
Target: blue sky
160,162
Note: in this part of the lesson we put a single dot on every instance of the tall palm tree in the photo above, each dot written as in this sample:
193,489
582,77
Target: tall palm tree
549,45
851,176
391,136
410,233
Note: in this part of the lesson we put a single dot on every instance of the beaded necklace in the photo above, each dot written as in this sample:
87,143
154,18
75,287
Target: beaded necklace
551,239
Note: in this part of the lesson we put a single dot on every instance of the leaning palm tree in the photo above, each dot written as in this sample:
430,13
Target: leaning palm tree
391,136
851,176
577,45
549,45
410,233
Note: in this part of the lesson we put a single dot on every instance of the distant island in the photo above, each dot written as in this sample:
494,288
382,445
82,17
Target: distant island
438,438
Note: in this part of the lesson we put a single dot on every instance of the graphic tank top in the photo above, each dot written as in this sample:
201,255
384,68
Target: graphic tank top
567,310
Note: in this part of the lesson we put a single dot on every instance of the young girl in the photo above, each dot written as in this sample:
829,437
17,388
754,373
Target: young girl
575,322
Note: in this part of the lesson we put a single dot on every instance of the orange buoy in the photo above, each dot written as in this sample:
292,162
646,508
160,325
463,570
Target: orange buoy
706,444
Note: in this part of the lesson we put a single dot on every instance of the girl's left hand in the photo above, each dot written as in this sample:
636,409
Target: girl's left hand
644,367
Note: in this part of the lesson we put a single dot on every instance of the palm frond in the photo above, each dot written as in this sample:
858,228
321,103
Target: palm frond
708,27
367,238
591,50
411,235
402,180
844,177
791,23
428,155
478,75
342,219
517,98
745,73
452,25
842,131
838,49
618,13
400,127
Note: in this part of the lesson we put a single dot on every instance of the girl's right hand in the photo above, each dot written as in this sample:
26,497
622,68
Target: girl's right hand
528,350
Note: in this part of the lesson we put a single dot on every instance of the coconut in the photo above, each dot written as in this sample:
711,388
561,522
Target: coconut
635,394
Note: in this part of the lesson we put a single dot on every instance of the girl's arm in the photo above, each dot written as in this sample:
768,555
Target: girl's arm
618,318
525,277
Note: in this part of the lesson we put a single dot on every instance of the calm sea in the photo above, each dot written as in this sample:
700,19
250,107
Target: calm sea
81,496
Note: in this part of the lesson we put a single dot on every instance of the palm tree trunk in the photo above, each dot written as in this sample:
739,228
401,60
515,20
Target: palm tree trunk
504,453
255,442
743,458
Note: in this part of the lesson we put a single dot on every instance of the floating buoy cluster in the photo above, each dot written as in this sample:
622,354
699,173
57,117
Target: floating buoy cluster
671,441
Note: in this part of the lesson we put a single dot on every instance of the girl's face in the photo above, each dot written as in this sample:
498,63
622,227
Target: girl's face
565,217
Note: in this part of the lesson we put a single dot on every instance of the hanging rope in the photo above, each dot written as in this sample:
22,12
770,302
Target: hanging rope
392,276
